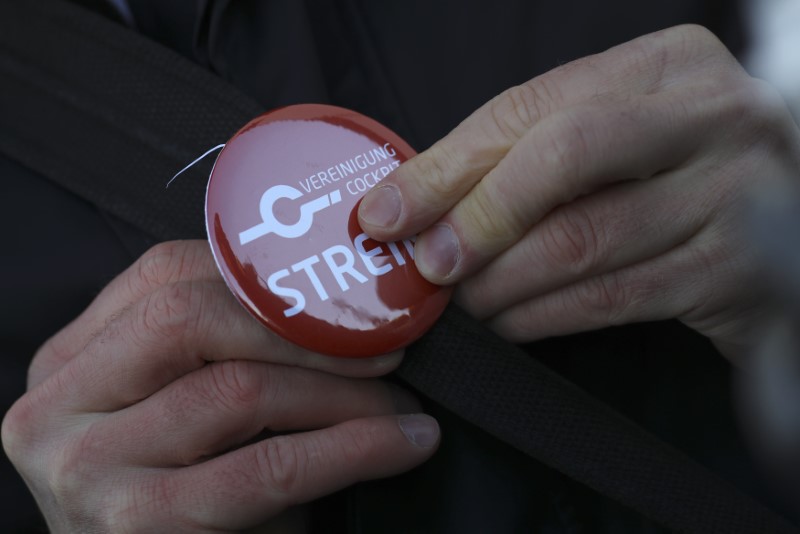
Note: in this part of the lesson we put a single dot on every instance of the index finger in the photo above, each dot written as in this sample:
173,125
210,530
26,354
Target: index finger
166,263
164,270
174,331
424,188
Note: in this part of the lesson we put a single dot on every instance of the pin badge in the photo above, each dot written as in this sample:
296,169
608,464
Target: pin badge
281,215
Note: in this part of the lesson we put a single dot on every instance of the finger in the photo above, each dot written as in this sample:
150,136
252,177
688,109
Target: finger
569,154
622,225
227,403
166,263
173,331
241,488
679,284
423,189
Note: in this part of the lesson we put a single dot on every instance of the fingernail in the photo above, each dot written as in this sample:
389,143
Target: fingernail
437,253
381,206
420,429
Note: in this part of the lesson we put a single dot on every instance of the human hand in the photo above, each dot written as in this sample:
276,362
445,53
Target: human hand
137,413
607,191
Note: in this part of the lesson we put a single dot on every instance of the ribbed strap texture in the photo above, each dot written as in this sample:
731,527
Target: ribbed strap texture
504,391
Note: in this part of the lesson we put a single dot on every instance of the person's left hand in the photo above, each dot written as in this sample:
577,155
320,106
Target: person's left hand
607,191
166,407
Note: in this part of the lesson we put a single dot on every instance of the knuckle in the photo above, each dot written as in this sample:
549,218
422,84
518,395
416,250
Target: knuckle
695,33
651,52
436,172
280,464
571,241
693,41
680,46
564,150
228,389
604,298
17,430
236,386
515,110
701,34
360,442
161,264
490,228
537,98
172,312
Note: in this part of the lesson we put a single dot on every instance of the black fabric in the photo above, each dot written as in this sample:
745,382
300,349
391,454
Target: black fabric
173,21
164,114
419,66
177,110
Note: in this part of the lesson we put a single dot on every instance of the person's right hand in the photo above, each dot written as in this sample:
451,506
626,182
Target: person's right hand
139,413
608,191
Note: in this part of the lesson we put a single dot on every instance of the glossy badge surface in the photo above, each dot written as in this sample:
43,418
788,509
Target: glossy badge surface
281,216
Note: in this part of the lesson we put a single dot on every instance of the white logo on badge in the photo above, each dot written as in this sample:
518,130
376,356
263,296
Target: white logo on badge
270,225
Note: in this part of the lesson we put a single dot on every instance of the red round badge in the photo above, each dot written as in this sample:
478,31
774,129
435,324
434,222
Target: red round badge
281,217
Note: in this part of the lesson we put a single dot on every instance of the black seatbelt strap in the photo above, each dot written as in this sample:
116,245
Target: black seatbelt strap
111,116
